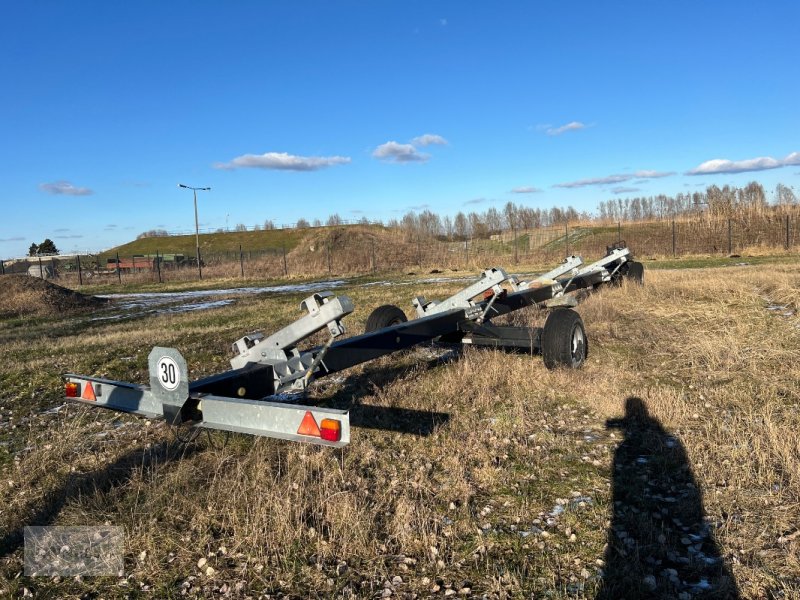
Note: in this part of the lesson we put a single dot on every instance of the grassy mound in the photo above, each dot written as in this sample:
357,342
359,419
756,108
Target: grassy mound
25,295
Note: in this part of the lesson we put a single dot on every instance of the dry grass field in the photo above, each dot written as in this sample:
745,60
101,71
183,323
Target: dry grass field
668,467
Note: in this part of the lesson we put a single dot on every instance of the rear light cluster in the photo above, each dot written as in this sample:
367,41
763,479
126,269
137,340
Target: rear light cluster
329,430
73,389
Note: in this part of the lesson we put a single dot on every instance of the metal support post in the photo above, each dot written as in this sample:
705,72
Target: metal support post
787,232
285,266
158,265
119,271
730,239
241,260
516,250
80,276
673,237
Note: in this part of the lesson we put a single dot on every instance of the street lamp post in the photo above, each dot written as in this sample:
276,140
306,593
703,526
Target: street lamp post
196,223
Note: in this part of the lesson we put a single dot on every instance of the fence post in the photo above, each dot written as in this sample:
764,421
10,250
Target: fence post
566,236
374,262
158,265
419,253
41,273
673,237
119,271
787,232
2,267
329,258
730,239
80,276
241,260
466,253
285,266
516,251
619,230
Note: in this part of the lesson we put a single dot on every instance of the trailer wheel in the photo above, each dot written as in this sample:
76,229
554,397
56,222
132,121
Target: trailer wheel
635,272
564,340
384,316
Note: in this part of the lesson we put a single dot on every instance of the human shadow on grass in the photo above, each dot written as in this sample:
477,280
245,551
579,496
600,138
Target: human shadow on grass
45,511
659,544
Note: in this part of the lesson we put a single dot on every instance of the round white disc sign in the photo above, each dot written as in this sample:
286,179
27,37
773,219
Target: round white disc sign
169,375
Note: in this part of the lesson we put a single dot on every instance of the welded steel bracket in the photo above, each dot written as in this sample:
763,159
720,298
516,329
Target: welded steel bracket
609,263
570,265
324,310
491,280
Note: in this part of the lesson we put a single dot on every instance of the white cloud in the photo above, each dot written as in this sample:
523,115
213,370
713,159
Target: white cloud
525,190
65,188
571,126
393,152
644,175
429,139
721,165
283,161
476,201
443,22
761,163
792,159
624,190
596,181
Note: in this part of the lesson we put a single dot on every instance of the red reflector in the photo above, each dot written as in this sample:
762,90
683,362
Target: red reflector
331,430
308,426
88,392
72,389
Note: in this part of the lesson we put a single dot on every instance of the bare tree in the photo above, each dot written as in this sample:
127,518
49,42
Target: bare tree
461,226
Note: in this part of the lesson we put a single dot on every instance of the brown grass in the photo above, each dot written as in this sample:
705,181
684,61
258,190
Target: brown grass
442,511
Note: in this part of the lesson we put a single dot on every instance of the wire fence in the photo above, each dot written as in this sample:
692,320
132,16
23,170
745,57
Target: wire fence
336,252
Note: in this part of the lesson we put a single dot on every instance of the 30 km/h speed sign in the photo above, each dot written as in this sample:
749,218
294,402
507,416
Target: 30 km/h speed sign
169,375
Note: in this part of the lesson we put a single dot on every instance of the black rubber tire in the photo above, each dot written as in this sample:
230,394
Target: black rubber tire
635,272
564,342
384,316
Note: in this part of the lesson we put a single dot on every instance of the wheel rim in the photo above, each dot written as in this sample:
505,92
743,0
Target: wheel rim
577,345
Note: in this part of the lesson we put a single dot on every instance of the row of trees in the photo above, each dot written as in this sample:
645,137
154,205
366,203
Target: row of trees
730,202
512,217
727,202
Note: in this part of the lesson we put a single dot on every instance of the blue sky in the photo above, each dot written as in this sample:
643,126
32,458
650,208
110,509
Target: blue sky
294,110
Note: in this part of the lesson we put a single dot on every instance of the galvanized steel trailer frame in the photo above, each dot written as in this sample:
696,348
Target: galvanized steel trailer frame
247,398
